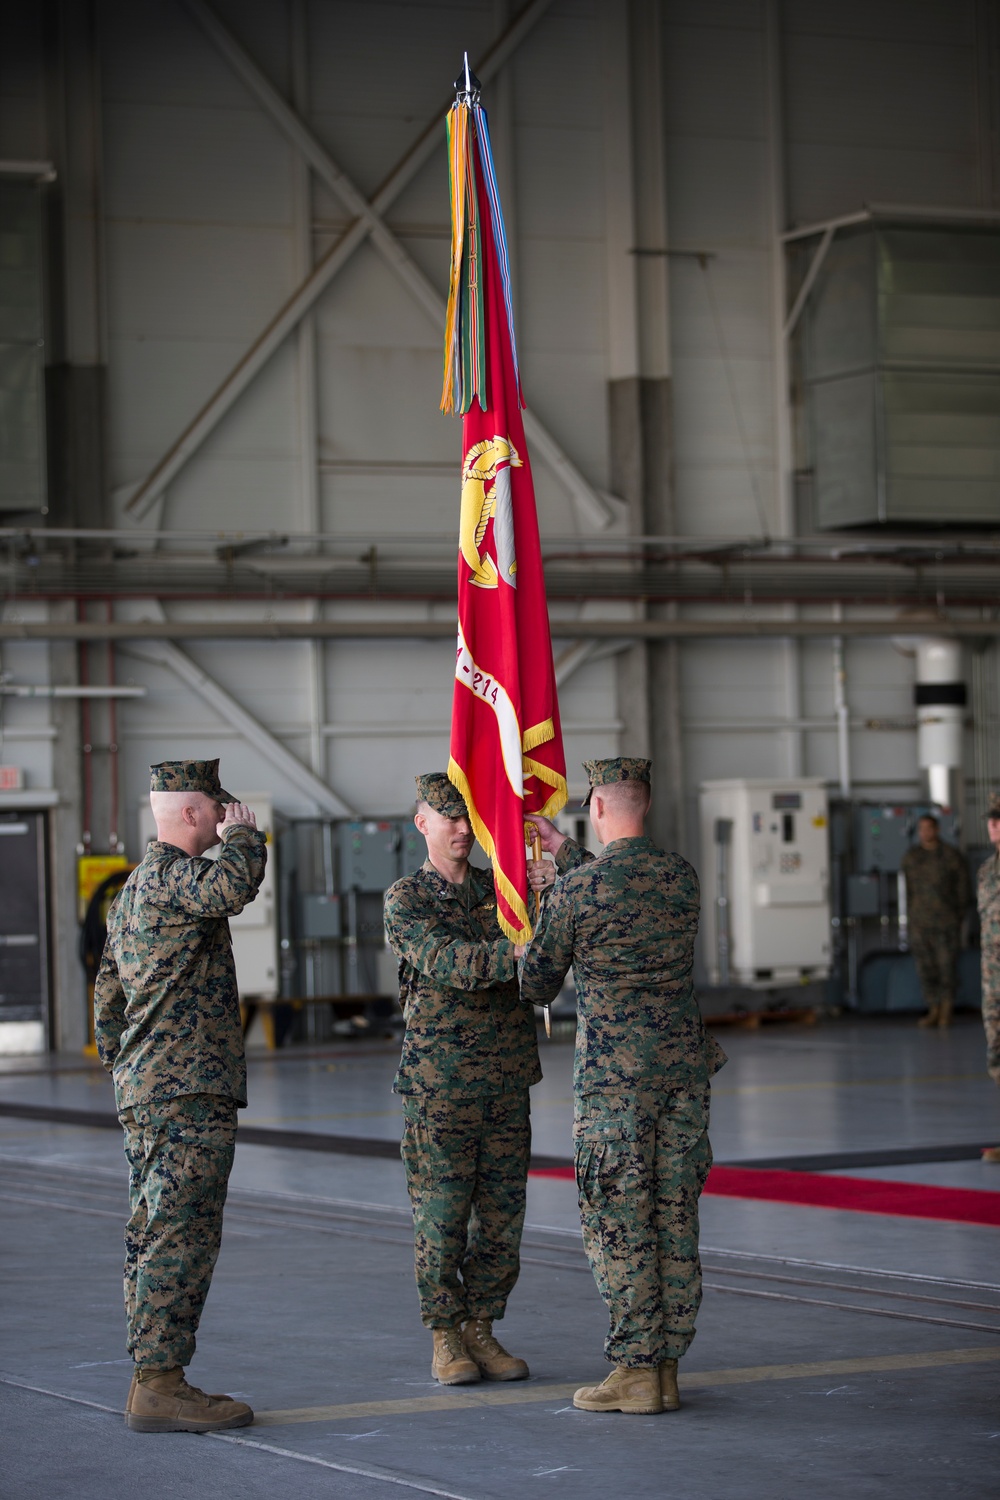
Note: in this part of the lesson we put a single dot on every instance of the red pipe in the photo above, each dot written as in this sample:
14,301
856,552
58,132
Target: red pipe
112,740
85,733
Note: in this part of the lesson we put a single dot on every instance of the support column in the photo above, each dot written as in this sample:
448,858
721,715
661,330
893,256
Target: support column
77,360
306,376
69,1028
640,391
76,417
784,494
504,149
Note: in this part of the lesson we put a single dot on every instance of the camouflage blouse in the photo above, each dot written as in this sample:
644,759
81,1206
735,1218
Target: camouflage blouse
166,1009
938,888
467,1033
626,922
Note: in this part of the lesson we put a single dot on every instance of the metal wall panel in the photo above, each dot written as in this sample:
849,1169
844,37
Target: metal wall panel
22,353
204,244
880,112
23,128
152,51
191,165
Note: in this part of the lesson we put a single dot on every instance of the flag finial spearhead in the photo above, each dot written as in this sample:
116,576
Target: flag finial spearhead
468,89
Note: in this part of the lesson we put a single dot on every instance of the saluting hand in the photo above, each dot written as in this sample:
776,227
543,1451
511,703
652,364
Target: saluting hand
236,812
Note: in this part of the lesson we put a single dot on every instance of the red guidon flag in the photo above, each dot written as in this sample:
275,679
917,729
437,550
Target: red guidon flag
507,757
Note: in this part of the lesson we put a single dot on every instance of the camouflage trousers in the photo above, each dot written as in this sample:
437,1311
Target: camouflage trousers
641,1163
935,953
180,1154
466,1164
991,1009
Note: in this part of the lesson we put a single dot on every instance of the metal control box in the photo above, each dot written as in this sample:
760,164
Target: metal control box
369,854
765,881
319,917
863,896
413,851
882,834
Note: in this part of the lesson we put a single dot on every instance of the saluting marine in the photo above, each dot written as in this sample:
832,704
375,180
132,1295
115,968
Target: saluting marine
167,1024
469,1056
626,922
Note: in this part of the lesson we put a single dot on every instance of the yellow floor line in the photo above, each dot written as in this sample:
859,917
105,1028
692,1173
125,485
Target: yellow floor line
522,1395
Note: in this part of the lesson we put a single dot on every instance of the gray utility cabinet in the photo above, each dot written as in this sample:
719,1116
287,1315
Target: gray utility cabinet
24,958
900,355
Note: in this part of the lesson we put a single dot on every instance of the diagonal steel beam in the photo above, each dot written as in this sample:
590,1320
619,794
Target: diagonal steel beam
294,128
166,654
368,223
815,266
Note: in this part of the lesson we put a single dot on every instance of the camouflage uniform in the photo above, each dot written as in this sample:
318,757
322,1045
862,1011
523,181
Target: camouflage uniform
938,892
989,920
468,1058
626,921
167,1025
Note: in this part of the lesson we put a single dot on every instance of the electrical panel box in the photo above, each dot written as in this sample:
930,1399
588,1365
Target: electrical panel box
24,977
369,855
765,881
864,896
255,929
883,834
319,917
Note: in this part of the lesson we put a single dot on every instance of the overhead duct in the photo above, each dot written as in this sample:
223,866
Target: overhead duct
901,369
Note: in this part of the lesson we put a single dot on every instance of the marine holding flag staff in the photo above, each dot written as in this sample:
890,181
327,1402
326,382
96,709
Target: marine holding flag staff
470,1052
469,1056
626,922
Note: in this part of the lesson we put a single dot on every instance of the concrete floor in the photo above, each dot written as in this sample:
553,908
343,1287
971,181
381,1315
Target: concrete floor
816,1378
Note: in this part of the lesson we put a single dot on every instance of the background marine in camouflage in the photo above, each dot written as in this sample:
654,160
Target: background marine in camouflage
938,892
988,894
167,1024
469,1056
626,922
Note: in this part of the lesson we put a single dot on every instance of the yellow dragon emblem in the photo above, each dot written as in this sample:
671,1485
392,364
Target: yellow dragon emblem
489,461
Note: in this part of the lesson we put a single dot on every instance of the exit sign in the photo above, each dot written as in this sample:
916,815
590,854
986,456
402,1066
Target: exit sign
11,779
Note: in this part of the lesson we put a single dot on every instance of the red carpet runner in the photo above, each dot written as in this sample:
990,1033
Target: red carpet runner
866,1195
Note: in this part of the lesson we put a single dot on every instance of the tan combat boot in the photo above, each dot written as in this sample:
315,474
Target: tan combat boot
166,1403
636,1391
491,1357
451,1365
669,1394
944,1013
131,1393
931,1018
